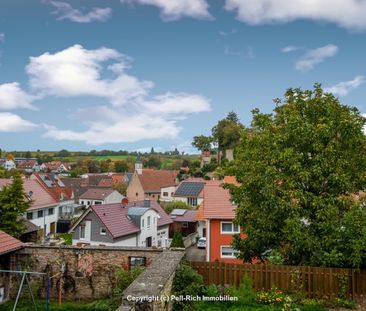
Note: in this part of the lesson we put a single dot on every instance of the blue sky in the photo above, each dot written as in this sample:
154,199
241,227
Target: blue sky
132,74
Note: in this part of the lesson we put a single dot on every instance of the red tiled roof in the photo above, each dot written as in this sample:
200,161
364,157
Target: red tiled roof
189,216
106,182
231,180
40,197
200,216
27,164
8,243
153,180
55,190
217,201
118,177
96,193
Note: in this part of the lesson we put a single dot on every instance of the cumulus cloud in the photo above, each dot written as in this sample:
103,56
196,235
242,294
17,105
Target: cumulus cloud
10,122
175,9
315,56
348,14
12,97
343,88
76,71
65,11
130,113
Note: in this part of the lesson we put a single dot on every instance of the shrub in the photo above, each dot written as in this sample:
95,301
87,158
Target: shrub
272,297
186,282
177,240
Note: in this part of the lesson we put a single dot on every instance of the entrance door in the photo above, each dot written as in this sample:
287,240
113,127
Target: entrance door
52,228
148,241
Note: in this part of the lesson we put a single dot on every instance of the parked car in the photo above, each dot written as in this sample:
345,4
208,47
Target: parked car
201,243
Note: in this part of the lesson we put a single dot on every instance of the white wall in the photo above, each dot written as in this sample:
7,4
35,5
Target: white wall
185,200
46,219
114,197
170,191
163,236
200,226
148,231
129,241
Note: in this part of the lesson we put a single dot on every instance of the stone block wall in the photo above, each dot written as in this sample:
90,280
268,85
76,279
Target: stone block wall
88,272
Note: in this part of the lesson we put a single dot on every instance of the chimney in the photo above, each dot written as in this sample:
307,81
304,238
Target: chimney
146,203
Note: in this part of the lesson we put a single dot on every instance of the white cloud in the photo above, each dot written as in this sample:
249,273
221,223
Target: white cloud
130,113
343,88
248,53
66,11
76,71
10,122
2,37
12,97
226,33
176,9
349,14
290,48
315,56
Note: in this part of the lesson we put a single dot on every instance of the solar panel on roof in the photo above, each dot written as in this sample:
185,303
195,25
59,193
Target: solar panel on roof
178,212
189,189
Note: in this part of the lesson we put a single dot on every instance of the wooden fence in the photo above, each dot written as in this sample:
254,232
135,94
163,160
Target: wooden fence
316,282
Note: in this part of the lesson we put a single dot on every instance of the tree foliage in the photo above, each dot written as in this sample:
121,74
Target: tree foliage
13,205
202,142
299,170
177,240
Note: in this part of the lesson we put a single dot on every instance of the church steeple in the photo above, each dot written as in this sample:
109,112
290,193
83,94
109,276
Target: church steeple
138,165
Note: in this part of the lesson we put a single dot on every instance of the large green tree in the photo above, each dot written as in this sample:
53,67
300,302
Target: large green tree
202,142
13,205
302,169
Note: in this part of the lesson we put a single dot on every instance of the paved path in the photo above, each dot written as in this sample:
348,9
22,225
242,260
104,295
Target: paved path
195,254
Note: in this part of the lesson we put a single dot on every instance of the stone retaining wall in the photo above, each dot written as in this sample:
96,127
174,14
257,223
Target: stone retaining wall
88,272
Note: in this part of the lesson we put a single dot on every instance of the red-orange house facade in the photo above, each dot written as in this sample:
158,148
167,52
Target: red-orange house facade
218,212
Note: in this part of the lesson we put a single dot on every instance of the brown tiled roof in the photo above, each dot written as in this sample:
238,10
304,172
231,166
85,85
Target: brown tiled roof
8,243
53,185
29,226
231,180
114,217
189,216
153,180
106,182
26,164
217,201
96,193
200,213
40,197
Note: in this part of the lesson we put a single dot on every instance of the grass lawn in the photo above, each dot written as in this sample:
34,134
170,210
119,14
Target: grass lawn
27,305
216,306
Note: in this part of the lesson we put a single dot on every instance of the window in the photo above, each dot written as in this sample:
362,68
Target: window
82,232
40,214
184,224
228,252
88,203
172,194
30,215
165,194
134,262
103,231
192,201
97,202
50,211
143,223
148,221
229,228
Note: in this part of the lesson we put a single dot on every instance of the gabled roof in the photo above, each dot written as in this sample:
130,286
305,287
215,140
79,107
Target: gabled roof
217,201
97,193
26,164
188,216
54,185
189,189
8,243
153,180
114,216
39,196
